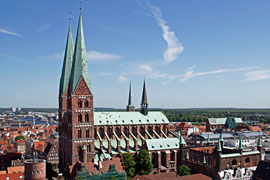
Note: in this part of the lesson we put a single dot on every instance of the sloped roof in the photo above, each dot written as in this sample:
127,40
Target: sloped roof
129,118
216,121
216,136
254,128
162,144
171,176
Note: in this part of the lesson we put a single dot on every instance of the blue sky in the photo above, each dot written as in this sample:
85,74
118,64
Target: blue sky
192,53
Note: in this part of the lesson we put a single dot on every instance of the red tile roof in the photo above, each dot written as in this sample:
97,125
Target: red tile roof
171,176
12,176
207,149
254,128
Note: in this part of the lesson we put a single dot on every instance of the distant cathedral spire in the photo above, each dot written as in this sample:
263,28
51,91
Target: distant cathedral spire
66,70
144,103
130,106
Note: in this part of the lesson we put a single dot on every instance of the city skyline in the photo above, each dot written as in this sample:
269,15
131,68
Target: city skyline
132,40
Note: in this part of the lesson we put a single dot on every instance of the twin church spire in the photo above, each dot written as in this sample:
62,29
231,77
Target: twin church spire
144,102
75,66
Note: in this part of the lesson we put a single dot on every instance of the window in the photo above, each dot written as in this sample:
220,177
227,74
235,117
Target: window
79,117
247,160
79,149
79,133
79,104
86,117
89,148
234,162
86,104
87,133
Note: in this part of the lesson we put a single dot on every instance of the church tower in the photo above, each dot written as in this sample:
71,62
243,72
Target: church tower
130,106
144,103
63,93
77,143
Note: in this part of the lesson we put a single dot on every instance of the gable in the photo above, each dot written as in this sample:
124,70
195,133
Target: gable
82,88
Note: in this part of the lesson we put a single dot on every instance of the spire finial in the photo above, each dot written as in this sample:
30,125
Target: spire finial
80,6
219,146
240,142
69,17
259,140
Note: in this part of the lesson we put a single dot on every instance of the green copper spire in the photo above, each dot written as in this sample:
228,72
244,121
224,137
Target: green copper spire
240,143
204,159
220,136
181,139
66,70
187,155
259,140
208,139
79,66
219,146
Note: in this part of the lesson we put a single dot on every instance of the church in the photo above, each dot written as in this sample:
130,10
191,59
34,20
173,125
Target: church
93,142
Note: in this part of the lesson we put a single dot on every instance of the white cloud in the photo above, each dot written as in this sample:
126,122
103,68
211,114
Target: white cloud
9,32
257,75
175,48
95,56
190,73
122,79
145,68
43,27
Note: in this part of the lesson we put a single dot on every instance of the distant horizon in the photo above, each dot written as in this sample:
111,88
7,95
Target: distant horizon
221,108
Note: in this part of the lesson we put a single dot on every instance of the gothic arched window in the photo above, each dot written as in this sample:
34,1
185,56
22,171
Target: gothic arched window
86,104
87,132
86,117
79,133
79,117
79,104
89,148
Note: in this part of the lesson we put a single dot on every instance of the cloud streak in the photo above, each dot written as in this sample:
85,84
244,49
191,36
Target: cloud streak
191,74
175,48
95,56
9,32
122,79
257,75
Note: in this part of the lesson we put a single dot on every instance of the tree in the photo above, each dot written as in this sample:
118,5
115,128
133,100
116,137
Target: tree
144,165
113,178
129,164
19,137
183,170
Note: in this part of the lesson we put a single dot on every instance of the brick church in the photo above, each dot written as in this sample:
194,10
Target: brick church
94,141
